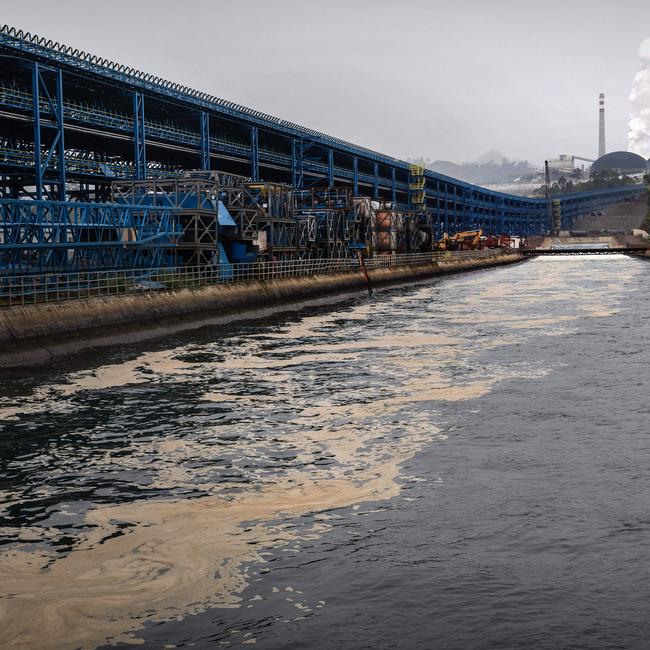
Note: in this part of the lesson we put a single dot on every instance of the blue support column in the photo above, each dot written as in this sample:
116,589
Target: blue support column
60,144
457,227
375,181
330,168
466,211
393,185
296,165
445,213
36,111
205,141
140,149
451,211
55,104
460,213
469,214
355,176
440,225
255,155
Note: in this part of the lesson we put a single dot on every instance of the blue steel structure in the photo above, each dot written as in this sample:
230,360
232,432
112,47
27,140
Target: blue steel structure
140,148
205,141
50,236
71,124
54,103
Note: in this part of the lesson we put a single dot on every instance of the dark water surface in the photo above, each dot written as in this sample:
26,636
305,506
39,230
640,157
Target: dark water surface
460,464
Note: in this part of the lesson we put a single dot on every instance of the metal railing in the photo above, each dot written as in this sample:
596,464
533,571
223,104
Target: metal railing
25,289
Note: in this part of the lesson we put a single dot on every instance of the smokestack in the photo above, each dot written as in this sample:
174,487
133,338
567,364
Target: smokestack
601,125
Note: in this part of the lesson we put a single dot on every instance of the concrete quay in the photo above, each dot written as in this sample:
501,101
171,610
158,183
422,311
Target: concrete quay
39,334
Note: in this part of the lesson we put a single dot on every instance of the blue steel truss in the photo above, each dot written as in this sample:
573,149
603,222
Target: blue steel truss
38,236
306,157
80,113
375,180
308,167
330,168
36,46
255,154
205,141
140,147
54,101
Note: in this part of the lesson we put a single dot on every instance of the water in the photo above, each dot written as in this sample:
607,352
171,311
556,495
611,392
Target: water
460,464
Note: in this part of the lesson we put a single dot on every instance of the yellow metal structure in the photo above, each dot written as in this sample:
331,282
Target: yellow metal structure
416,185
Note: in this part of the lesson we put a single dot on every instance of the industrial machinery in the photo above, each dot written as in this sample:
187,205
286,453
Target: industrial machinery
497,241
467,240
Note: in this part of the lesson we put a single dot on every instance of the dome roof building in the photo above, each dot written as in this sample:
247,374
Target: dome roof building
621,162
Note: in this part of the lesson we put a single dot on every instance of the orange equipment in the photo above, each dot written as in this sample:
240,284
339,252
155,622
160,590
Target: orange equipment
468,240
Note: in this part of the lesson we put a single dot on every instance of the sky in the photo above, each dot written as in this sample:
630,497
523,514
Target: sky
409,78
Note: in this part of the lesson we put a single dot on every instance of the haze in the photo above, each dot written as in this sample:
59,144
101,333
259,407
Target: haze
439,80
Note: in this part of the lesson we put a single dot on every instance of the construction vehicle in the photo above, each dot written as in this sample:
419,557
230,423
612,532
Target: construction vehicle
468,240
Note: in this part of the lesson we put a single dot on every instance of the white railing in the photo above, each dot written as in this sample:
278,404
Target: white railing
54,286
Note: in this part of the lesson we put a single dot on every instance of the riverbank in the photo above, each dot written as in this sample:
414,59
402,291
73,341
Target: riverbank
38,334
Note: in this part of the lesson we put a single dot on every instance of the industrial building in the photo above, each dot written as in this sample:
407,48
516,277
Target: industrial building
622,162
106,167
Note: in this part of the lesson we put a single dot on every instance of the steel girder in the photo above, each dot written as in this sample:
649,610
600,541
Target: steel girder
330,168
54,100
67,235
139,144
255,155
307,165
205,141
375,180
37,47
78,113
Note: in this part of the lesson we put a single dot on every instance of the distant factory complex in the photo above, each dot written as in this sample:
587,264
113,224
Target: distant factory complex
622,162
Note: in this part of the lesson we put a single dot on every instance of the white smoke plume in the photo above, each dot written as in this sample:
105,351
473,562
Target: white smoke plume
638,131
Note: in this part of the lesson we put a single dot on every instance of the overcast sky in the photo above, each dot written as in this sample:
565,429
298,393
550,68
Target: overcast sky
444,80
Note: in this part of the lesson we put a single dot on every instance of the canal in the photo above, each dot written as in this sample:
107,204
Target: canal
458,464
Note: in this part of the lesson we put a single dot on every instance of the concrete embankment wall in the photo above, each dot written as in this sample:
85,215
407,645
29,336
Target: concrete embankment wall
546,243
605,241
37,334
